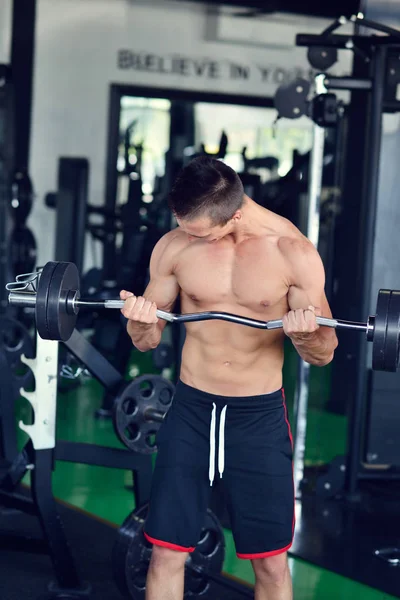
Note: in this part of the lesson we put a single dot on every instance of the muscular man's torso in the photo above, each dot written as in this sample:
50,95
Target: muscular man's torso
249,278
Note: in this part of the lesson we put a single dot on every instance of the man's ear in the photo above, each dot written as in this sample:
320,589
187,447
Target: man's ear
237,216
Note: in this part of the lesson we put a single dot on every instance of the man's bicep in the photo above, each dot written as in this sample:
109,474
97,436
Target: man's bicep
163,287
163,290
308,283
299,297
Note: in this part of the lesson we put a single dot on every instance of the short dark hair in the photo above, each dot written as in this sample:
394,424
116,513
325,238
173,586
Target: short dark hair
206,186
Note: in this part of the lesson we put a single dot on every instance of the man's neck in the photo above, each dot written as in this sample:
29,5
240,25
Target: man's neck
252,223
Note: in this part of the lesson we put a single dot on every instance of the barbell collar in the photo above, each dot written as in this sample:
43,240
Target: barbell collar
370,328
22,299
72,302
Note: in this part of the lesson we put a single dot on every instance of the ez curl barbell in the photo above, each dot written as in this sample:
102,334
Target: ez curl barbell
56,300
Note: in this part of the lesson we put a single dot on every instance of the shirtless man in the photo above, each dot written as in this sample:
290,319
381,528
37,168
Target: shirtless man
228,418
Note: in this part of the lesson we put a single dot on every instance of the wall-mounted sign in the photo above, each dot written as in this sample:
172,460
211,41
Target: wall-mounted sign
206,68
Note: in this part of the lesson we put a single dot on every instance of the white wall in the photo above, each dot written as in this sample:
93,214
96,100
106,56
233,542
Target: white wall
5,31
76,59
383,11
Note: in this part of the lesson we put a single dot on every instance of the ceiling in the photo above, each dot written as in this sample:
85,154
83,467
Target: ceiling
318,8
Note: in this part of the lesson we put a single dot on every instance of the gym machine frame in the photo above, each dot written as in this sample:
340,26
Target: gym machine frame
91,454
368,86
38,457
41,451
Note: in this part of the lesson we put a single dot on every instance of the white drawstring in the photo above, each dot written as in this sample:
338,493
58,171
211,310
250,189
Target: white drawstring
211,472
221,448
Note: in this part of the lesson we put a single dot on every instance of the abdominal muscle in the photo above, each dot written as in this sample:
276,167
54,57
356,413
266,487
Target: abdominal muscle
232,360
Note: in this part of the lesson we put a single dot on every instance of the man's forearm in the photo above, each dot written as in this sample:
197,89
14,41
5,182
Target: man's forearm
316,348
144,337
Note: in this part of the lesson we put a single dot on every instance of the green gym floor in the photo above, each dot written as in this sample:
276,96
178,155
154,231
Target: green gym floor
103,492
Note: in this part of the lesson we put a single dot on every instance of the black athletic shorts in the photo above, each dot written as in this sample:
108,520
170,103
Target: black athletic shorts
246,441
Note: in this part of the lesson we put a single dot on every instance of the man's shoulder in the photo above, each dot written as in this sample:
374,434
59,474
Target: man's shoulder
294,244
173,241
169,247
288,238
300,255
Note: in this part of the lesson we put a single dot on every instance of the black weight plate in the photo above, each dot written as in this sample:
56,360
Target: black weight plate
392,333
15,341
380,330
129,411
21,198
42,294
291,98
60,322
330,482
163,356
132,553
22,248
208,557
322,58
91,283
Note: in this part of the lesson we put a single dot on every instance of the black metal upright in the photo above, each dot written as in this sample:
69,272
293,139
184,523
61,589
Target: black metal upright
7,159
71,205
373,85
368,208
109,247
22,62
50,521
8,433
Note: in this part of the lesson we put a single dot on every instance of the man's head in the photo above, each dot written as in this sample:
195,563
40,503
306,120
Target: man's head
206,198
